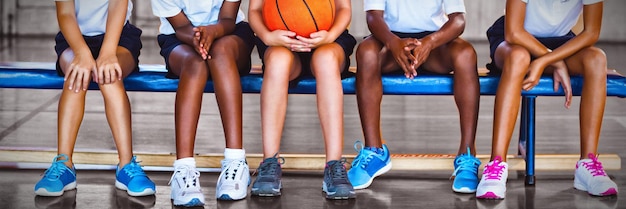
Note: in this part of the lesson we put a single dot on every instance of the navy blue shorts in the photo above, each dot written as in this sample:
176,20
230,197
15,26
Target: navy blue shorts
345,40
129,39
168,42
495,35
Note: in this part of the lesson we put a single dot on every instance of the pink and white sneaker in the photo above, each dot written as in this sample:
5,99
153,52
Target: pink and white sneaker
493,182
590,177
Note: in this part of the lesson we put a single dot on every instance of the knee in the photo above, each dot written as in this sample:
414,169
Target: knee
193,64
594,62
367,52
519,59
278,60
327,59
223,48
463,55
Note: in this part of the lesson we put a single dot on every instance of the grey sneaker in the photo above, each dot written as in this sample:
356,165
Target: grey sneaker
267,183
336,184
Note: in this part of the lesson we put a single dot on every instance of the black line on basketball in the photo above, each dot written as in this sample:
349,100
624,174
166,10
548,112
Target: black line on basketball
312,17
281,15
332,9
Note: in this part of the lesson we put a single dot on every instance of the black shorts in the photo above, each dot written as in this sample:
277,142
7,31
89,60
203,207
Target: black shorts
129,39
495,35
168,42
345,40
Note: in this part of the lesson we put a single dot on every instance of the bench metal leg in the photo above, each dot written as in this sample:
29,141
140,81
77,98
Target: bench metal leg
527,136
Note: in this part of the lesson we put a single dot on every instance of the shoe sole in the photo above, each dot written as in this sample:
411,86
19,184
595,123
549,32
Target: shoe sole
490,196
382,171
266,190
145,192
342,193
46,193
192,203
610,191
463,190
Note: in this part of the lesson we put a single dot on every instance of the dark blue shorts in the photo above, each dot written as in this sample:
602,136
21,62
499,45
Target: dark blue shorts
495,35
129,39
345,40
169,42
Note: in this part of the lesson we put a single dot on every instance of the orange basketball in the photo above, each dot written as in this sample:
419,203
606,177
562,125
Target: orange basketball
301,16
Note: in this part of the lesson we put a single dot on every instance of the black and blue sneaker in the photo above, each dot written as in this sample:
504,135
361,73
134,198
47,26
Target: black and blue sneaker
336,184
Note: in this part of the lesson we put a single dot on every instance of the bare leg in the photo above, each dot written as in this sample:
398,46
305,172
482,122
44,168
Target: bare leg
281,65
223,66
591,64
193,72
327,64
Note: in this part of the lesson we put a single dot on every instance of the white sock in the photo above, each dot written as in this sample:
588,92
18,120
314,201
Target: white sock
188,161
234,154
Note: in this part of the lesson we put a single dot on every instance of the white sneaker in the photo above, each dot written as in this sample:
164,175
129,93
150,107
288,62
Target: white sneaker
590,177
493,182
233,181
185,185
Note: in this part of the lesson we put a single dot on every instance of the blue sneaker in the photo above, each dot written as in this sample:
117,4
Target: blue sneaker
367,165
268,183
57,179
465,173
133,180
336,184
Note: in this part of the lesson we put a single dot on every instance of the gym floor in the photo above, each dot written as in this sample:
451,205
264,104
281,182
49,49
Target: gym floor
410,124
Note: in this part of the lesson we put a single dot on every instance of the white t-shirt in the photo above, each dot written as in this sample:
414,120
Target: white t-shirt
414,16
92,15
552,18
199,12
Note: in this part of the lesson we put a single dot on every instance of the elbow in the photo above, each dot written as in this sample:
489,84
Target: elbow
511,38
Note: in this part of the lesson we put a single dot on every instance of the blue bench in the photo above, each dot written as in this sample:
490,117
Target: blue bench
152,78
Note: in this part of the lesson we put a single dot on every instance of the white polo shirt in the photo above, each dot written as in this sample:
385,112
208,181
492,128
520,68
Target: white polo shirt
553,18
199,12
92,15
414,16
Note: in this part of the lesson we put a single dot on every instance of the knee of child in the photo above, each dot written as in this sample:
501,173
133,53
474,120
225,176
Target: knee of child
518,54
594,57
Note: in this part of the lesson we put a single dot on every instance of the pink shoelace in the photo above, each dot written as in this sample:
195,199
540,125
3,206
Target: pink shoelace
595,166
494,170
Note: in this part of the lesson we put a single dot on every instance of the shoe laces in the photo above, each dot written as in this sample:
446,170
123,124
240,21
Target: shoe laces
364,156
189,176
269,166
231,168
337,169
595,166
466,162
133,168
57,168
494,170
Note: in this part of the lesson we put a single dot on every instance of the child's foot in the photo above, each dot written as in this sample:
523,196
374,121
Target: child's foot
268,182
134,180
233,181
590,177
57,179
185,186
493,182
336,184
465,173
367,165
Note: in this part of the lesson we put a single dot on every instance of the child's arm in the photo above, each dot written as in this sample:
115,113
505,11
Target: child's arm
400,48
592,22
205,35
83,64
343,17
270,38
450,30
108,65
